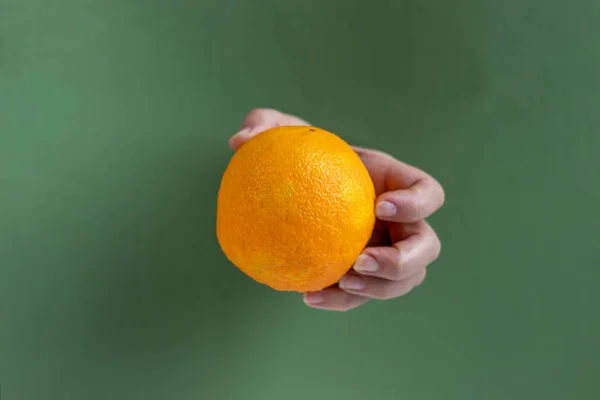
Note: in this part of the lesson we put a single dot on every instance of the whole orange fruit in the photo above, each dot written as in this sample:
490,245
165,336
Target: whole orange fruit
295,208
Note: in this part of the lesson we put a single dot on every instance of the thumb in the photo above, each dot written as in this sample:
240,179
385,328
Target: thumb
259,120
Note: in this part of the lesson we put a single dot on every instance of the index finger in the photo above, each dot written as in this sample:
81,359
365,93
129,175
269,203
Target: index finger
410,194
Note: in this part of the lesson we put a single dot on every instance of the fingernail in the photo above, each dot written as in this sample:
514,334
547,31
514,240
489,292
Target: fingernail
366,263
313,297
386,209
352,282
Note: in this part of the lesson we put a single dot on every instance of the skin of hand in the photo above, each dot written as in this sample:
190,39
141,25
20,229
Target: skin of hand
403,244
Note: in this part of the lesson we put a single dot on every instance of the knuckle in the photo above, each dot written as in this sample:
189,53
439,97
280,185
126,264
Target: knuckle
387,296
387,292
437,192
442,194
437,248
414,207
421,278
346,304
400,266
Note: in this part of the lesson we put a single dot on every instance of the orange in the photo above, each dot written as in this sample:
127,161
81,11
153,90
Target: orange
295,208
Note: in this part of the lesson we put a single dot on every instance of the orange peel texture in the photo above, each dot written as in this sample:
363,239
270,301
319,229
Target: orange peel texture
295,208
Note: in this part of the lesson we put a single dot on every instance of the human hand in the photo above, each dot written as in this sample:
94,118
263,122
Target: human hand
403,244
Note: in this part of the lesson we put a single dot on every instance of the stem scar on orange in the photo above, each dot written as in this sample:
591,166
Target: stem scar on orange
295,208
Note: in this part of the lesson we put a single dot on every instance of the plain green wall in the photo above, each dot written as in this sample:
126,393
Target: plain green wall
114,120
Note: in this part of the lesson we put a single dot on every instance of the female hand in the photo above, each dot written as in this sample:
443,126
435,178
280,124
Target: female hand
403,244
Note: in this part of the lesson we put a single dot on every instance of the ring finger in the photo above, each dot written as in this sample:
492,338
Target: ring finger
404,258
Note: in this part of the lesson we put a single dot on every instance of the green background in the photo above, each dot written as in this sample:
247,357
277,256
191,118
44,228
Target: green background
114,120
